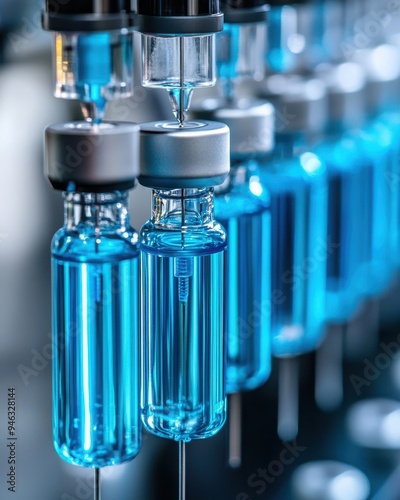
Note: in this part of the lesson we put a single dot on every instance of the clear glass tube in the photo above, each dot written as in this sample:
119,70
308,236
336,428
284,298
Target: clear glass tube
303,35
183,348
95,279
285,44
299,195
241,52
391,119
93,67
377,262
345,179
242,206
178,63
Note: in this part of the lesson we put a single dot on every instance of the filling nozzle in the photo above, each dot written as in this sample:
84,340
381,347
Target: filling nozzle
92,56
181,102
241,45
178,64
92,112
178,47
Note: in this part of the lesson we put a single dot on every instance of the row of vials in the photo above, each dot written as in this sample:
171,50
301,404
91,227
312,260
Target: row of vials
275,211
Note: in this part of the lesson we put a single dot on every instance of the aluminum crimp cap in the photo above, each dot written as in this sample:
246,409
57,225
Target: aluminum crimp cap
300,103
250,121
193,156
88,157
382,64
345,84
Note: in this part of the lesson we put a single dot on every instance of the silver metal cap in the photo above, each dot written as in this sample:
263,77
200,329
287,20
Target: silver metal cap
346,92
196,155
251,123
382,65
85,157
300,103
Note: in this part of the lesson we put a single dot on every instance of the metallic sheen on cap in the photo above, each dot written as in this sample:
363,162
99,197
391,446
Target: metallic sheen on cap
92,157
250,121
196,155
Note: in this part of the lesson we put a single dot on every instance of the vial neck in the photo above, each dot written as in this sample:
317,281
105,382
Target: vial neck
288,145
94,212
240,174
183,208
335,128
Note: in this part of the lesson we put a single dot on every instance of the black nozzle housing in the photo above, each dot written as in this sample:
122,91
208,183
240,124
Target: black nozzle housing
86,15
178,17
282,3
244,11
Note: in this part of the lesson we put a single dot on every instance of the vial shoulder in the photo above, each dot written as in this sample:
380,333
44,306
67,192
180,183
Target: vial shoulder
79,246
340,154
307,168
192,241
377,137
248,199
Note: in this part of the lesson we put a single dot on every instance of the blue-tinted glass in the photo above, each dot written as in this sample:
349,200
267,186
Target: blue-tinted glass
96,417
242,206
228,51
392,177
182,329
345,181
376,150
299,247
280,58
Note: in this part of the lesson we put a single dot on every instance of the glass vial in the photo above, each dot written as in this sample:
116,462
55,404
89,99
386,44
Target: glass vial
95,280
299,195
183,348
242,207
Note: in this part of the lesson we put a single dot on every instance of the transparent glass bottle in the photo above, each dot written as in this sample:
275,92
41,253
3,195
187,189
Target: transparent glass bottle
182,258
242,207
376,271
340,152
379,148
95,280
297,182
391,119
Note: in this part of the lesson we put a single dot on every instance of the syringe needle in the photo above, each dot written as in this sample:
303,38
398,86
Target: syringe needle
329,370
97,484
181,116
288,398
235,430
182,470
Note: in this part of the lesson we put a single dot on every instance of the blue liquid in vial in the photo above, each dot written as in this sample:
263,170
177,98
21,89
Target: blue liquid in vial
183,342
299,250
376,269
392,177
96,416
345,178
244,212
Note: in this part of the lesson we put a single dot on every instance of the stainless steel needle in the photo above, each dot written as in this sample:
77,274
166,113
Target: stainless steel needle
97,484
182,470
235,430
